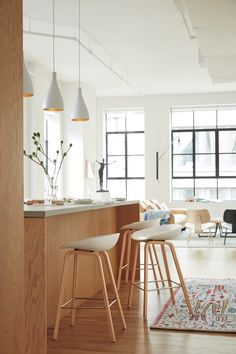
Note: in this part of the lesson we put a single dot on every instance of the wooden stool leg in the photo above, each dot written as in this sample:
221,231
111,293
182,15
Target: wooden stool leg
180,275
115,288
133,274
210,238
167,273
145,298
158,264
129,239
62,288
105,296
189,236
122,254
153,270
74,288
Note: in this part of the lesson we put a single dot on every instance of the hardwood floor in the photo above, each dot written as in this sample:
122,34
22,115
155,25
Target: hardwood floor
90,334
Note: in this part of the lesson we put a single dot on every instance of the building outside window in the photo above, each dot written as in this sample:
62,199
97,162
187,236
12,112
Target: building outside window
204,153
125,149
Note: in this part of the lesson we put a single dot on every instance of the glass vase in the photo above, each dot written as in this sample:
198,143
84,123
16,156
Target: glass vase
51,193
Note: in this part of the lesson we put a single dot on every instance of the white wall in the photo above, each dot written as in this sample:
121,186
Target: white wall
34,122
83,137
157,133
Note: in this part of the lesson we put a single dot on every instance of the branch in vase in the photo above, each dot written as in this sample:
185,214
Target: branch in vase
35,157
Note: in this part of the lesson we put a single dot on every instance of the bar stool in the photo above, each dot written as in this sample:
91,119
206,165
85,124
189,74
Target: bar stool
89,247
126,234
152,236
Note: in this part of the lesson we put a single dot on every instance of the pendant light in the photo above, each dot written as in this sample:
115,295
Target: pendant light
80,111
28,90
53,101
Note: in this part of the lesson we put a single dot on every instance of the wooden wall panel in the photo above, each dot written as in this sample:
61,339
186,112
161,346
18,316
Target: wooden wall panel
127,215
11,181
35,287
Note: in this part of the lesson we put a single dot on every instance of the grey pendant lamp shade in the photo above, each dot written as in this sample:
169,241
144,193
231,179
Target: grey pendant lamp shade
80,112
28,90
53,101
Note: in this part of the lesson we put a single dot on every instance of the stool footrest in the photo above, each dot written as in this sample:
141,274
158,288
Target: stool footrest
124,266
65,307
177,285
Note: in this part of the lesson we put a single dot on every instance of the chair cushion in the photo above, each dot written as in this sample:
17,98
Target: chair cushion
202,227
162,215
208,225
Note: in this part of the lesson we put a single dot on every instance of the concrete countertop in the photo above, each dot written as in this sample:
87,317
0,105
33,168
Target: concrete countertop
43,211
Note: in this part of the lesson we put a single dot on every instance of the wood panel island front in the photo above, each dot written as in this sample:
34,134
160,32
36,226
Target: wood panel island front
47,228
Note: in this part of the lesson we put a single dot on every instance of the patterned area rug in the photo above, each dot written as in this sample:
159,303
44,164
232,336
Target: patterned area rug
214,307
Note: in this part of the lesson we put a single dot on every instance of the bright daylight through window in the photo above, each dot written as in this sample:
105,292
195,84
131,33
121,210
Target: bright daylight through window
204,153
125,153
52,134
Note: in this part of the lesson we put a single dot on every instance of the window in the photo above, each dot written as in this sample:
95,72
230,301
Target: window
52,141
204,153
125,153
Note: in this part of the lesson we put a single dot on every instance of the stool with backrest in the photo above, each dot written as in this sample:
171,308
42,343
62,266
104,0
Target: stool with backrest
126,234
229,217
158,236
89,247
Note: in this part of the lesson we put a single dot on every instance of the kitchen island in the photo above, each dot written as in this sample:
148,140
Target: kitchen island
47,228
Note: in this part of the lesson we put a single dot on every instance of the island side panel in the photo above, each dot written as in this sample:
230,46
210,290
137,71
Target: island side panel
127,214
71,227
35,287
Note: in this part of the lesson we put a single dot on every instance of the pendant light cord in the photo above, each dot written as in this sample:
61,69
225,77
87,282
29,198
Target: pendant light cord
53,36
79,43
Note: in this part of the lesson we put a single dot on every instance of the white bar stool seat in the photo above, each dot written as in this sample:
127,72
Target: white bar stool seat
95,243
126,234
158,235
92,246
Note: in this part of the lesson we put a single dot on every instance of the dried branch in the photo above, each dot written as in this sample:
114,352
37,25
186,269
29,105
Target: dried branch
39,155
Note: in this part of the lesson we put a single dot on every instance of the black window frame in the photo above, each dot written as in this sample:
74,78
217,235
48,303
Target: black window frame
216,153
126,178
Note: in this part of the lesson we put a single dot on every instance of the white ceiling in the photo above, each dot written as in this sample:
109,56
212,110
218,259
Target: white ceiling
145,42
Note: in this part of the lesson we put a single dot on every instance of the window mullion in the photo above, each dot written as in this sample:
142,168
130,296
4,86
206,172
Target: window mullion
107,157
194,159
217,153
126,158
